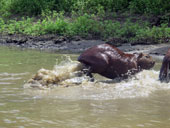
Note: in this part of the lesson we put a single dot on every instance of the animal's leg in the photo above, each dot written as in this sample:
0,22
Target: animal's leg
90,74
87,70
168,72
163,72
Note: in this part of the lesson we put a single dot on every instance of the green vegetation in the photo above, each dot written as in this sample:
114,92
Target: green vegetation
35,7
87,18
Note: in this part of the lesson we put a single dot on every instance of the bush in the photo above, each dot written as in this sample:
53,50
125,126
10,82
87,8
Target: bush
2,25
111,29
51,24
150,6
5,8
92,6
14,26
36,7
84,25
155,32
26,7
54,27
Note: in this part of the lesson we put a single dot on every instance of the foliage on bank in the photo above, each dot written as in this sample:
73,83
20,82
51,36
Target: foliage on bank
85,18
36,7
84,26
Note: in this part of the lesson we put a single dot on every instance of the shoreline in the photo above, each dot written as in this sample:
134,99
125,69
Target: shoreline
63,44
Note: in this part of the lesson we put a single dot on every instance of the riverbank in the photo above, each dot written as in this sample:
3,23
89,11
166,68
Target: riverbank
75,44
75,25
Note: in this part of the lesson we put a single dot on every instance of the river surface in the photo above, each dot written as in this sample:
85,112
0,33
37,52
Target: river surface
140,102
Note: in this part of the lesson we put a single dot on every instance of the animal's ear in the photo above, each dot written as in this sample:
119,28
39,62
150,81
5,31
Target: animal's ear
140,55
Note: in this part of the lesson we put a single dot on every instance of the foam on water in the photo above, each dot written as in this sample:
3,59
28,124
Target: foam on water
60,75
66,74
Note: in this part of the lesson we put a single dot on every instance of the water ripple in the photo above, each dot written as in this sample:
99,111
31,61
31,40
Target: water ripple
2,104
10,78
5,83
12,74
9,121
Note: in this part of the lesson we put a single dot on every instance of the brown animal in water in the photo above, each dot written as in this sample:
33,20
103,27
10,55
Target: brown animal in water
164,74
111,62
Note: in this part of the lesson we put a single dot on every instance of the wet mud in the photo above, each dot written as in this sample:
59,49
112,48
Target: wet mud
76,44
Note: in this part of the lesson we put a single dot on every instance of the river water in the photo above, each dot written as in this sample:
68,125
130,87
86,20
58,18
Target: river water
141,101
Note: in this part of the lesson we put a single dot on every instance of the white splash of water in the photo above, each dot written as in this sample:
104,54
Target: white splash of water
65,75
61,72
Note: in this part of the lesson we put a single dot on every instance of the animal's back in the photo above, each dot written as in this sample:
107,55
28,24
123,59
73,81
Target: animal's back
106,60
100,52
94,52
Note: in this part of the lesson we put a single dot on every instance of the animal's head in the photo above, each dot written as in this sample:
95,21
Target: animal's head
145,61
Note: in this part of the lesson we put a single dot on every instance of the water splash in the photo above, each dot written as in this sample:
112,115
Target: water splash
61,74
67,74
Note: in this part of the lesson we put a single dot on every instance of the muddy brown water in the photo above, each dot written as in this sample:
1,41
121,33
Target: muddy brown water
141,101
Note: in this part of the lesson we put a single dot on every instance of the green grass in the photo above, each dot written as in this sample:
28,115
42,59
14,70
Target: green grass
85,18
84,26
